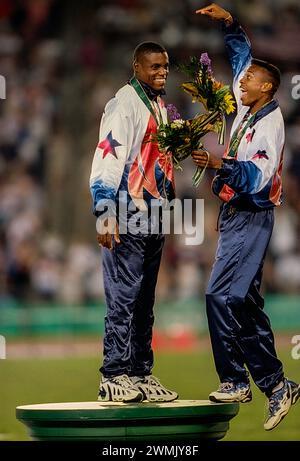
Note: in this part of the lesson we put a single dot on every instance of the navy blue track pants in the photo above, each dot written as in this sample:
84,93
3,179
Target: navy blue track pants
240,331
130,273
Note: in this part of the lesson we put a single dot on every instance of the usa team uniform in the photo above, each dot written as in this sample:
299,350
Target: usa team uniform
249,184
129,169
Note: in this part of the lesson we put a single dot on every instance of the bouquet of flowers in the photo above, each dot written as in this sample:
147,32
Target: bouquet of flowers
180,137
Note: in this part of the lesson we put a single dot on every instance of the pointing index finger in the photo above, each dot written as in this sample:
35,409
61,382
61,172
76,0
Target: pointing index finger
203,10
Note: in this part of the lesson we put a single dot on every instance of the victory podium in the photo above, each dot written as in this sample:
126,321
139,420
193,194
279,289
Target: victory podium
110,421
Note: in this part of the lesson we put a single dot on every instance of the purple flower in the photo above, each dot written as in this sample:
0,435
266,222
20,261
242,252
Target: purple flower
205,60
173,113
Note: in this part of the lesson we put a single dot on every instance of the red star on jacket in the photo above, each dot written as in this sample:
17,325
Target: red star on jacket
108,145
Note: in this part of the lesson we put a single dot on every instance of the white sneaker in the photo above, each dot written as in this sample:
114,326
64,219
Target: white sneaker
295,388
118,389
152,389
278,406
230,392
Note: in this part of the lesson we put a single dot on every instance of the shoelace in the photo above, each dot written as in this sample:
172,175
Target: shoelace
123,380
273,403
225,387
152,381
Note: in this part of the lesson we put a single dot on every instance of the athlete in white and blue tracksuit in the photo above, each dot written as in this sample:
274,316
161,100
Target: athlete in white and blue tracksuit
128,170
249,184
248,181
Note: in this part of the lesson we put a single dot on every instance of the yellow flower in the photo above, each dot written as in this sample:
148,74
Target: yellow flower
229,104
217,85
192,89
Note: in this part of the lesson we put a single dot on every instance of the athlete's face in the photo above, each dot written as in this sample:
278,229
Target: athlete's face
254,86
153,69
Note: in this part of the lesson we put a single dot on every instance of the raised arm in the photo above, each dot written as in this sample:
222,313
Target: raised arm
236,41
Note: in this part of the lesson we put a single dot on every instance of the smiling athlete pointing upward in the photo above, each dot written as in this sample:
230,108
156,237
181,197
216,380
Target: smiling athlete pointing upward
248,181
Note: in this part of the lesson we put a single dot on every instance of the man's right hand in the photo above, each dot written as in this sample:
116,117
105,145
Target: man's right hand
215,11
107,230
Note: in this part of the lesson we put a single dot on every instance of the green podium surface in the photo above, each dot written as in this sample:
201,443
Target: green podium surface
110,421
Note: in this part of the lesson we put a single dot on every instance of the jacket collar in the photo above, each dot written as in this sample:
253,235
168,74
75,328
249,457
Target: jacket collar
150,92
265,110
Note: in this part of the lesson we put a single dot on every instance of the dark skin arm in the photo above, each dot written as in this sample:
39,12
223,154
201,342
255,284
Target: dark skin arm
215,11
201,160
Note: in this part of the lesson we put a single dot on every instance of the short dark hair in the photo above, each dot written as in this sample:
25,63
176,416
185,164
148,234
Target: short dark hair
147,47
273,72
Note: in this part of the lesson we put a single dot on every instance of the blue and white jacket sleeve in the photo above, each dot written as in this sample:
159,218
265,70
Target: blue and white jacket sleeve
115,141
238,48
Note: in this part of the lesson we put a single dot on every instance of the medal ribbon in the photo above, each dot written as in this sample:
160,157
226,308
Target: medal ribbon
143,96
240,131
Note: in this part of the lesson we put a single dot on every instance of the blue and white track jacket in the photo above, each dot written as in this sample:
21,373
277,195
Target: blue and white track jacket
127,165
253,179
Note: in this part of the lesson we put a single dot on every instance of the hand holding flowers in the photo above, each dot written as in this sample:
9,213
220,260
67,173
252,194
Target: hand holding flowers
181,137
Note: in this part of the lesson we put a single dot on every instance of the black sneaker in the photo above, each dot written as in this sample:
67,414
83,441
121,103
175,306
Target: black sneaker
230,392
278,406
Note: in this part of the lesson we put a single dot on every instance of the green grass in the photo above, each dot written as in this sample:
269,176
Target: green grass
76,379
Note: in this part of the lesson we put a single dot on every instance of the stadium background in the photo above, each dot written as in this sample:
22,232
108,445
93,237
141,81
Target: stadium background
62,61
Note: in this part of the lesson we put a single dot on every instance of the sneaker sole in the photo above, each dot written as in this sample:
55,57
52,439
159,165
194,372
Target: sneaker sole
246,399
161,399
138,398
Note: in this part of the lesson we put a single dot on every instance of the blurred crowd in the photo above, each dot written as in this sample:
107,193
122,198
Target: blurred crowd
62,61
